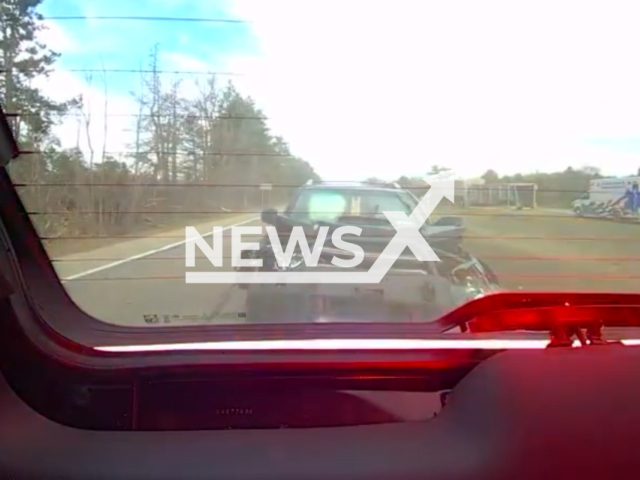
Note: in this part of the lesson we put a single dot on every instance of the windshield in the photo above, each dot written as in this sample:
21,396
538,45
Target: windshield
143,121
313,205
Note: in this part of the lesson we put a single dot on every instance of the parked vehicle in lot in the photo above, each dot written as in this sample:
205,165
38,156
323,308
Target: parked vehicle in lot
411,291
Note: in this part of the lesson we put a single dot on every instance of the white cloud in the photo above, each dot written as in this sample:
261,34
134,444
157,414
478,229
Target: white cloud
391,87
62,85
182,62
57,38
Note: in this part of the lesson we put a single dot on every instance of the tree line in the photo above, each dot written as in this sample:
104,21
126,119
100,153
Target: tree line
555,189
193,156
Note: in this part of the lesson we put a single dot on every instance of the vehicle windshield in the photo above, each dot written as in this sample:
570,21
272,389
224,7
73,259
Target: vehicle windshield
332,205
479,126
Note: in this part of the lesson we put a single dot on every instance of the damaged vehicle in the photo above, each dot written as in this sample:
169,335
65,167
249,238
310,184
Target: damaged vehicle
411,290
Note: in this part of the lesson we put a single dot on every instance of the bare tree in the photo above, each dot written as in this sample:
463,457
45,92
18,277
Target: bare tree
105,131
105,91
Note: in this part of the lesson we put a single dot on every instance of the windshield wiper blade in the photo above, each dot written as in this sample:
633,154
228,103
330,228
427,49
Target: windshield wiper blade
563,316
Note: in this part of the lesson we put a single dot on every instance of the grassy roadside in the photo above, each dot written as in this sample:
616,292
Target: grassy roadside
60,247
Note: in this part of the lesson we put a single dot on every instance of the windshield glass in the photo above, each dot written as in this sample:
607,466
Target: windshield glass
313,205
140,119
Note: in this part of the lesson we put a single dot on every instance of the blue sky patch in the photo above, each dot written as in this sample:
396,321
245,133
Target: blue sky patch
626,145
124,44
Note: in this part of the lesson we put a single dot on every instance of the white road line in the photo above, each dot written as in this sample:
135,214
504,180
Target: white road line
145,254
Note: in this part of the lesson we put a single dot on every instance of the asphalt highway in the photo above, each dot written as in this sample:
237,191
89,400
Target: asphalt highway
142,282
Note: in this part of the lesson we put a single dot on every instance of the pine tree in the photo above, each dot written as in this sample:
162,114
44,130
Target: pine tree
25,57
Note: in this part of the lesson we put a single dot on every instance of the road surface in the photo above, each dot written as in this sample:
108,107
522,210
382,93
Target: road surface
534,250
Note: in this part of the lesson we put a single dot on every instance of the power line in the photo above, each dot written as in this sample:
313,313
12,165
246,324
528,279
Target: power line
133,70
174,152
547,258
149,115
229,185
548,238
240,212
66,18
204,184
391,273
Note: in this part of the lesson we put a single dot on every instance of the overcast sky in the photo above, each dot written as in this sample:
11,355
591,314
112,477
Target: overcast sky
385,88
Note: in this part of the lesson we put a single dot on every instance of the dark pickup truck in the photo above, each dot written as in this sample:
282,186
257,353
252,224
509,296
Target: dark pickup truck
411,290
